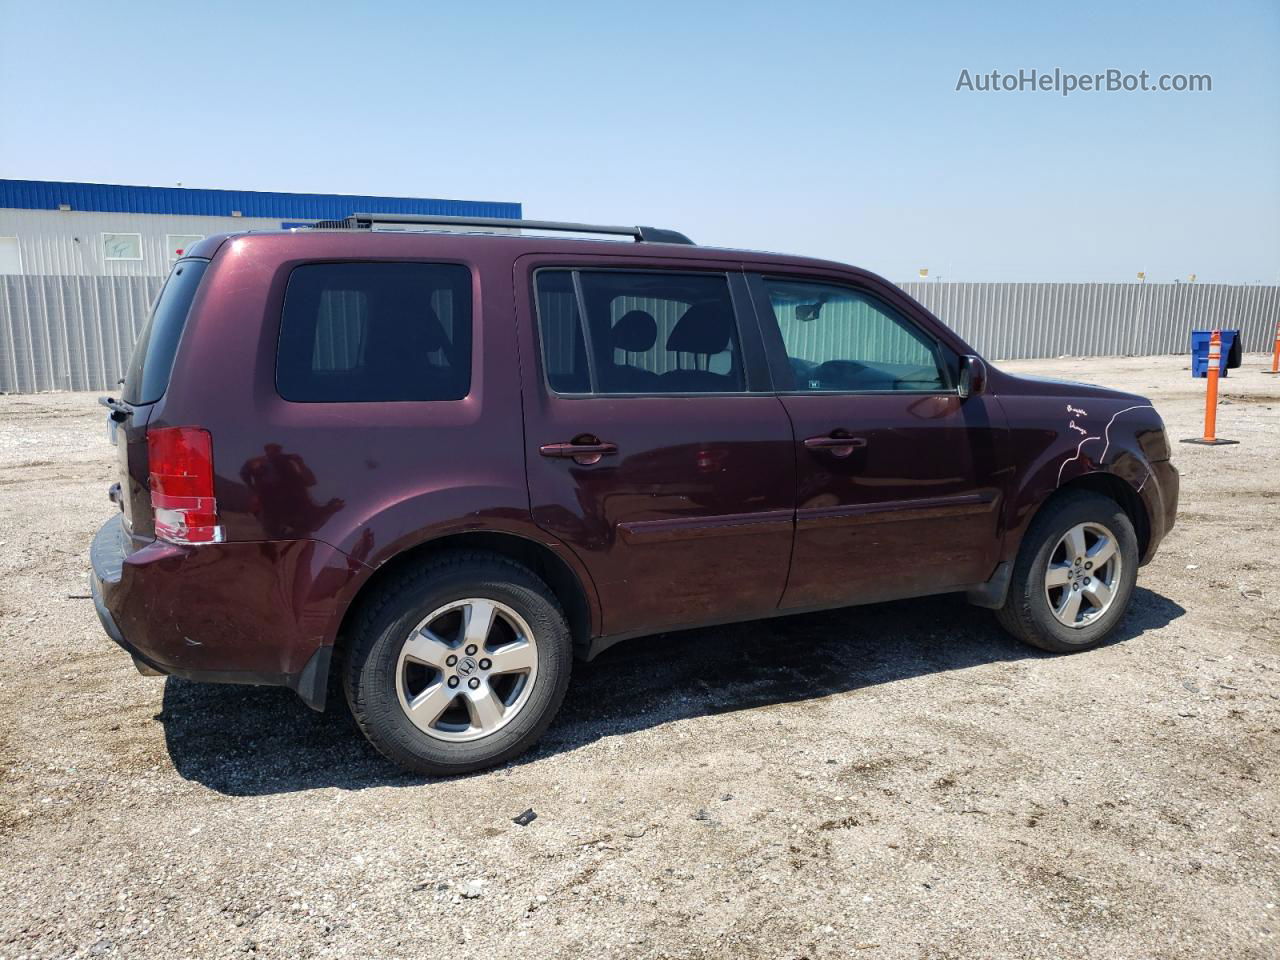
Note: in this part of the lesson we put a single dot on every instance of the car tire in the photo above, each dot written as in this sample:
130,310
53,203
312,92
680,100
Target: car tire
398,671
1040,608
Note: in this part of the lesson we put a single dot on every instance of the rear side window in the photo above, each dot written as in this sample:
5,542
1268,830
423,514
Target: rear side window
366,332
152,362
644,333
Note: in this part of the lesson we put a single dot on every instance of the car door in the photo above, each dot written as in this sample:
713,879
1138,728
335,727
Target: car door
655,448
899,480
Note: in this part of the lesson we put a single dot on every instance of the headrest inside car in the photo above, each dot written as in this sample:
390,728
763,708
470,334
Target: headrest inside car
704,328
636,332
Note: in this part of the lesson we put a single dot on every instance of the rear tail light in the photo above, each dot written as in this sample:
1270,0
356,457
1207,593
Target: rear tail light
181,462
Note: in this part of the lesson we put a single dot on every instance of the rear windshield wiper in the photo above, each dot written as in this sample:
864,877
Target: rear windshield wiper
120,411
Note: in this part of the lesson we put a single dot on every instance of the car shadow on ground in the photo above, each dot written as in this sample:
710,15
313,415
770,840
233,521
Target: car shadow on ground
249,741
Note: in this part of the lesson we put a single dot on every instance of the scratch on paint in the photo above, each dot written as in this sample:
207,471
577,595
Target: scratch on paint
1106,433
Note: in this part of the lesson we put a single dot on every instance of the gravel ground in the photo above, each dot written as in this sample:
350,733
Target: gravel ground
891,781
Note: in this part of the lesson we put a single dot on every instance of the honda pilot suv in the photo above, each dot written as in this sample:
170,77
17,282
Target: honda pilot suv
442,463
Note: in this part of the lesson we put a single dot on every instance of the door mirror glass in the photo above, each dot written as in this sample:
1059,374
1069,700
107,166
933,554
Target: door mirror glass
973,377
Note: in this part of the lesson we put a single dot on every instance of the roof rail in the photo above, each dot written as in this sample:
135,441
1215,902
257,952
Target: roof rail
365,221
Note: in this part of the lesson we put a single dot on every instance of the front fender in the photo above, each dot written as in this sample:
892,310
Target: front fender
1057,440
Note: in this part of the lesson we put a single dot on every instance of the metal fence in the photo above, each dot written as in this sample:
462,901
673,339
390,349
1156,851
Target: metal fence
1022,320
69,333
76,333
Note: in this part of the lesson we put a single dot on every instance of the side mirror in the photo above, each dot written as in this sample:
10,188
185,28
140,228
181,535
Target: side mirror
973,377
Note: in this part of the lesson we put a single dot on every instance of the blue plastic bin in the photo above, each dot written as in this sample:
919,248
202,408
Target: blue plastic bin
1200,351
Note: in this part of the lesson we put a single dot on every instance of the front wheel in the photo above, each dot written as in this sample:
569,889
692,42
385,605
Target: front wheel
460,665
1074,575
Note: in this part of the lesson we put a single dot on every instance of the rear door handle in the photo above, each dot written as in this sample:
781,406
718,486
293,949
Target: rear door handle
584,453
836,446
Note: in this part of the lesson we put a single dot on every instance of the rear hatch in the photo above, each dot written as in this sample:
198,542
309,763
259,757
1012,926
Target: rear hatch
144,384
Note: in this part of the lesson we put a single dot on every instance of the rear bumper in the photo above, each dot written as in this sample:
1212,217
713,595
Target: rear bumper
260,613
145,667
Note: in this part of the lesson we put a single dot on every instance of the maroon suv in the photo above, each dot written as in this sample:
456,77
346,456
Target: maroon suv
443,463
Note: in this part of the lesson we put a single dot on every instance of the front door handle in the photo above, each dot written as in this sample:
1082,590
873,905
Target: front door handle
584,451
840,447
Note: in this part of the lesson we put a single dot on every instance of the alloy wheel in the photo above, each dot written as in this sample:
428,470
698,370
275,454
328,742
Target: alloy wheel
1083,573
467,669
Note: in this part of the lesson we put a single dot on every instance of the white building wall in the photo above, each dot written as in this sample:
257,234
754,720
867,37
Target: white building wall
70,243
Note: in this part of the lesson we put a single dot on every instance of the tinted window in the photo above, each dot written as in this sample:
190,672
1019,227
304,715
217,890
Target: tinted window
646,332
839,339
564,353
157,345
375,331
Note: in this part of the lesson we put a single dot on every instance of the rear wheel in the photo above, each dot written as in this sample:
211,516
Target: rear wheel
460,665
1074,575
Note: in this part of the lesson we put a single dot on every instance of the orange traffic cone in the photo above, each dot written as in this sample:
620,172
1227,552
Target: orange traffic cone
1211,395
1275,356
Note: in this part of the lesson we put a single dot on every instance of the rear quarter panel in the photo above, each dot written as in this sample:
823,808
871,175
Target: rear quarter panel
369,479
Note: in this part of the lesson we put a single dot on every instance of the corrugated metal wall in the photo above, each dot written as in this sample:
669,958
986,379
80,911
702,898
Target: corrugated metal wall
1019,320
69,333
76,333
71,244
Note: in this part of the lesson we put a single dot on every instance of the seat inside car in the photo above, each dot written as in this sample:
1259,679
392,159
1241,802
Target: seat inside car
704,330
635,332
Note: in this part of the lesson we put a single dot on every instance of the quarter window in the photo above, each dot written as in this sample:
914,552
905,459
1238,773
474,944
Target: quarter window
842,340
364,332
645,333
564,350
157,346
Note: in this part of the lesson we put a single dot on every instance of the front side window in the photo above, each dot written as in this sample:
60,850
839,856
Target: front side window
365,332
644,333
842,340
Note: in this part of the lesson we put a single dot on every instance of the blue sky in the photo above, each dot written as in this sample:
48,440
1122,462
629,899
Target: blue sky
831,129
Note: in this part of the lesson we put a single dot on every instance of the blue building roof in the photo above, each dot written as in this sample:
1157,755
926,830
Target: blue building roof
115,198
